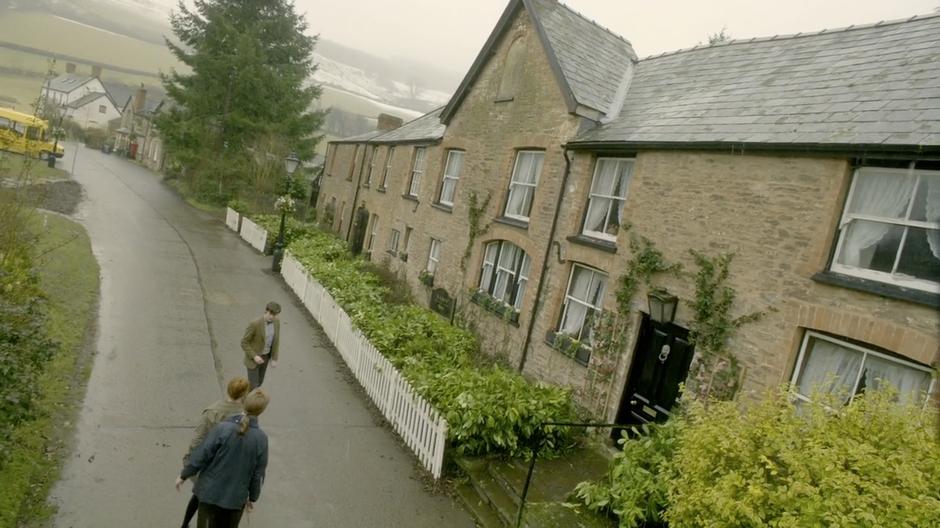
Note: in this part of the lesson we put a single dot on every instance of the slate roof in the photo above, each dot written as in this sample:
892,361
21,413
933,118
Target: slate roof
868,85
590,62
87,98
67,82
591,59
427,128
119,92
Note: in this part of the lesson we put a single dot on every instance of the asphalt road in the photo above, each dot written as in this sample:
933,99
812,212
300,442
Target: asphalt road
177,289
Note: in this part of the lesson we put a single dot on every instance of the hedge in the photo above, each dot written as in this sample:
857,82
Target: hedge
489,410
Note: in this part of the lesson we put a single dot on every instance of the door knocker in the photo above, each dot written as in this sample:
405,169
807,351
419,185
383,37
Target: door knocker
664,353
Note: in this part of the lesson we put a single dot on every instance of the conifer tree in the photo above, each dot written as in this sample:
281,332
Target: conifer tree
248,83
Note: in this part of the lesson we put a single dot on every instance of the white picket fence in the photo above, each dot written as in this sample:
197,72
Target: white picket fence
423,429
253,234
231,218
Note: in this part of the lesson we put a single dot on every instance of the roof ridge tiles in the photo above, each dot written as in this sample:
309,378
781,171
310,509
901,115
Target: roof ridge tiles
592,21
801,34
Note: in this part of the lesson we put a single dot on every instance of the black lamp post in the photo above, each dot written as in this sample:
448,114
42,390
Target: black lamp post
662,305
290,164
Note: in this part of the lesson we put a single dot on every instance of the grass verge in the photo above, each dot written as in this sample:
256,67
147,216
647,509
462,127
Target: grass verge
13,166
217,211
69,276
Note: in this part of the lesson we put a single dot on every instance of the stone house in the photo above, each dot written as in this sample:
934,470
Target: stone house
814,159
136,136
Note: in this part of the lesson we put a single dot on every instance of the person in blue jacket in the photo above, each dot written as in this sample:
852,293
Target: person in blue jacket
230,462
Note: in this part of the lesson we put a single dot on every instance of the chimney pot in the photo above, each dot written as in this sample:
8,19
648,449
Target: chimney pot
69,67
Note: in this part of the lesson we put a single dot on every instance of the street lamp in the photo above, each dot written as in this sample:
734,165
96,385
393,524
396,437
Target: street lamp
291,162
662,305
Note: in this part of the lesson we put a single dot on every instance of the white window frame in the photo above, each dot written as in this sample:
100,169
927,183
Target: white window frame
388,166
448,177
847,218
569,298
615,201
373,233
526,187
393,240
417,170
434,256
809,334
371,165
517,278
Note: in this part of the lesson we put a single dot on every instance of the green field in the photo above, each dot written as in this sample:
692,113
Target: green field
58,35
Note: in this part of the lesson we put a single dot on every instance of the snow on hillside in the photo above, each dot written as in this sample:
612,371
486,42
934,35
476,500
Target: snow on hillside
370,86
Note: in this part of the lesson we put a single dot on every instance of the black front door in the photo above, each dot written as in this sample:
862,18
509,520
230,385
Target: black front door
360,224
660,363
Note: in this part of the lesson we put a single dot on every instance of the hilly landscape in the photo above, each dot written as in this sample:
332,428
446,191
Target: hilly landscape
126,38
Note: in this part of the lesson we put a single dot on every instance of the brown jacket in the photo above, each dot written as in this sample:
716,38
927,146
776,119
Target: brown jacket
211,417
253,341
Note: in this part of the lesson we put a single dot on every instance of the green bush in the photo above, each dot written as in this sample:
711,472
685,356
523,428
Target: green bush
871,463
25,347
489,410
635,489
293,228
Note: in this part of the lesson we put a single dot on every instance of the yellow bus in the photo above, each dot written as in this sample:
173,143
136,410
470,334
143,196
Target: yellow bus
27,135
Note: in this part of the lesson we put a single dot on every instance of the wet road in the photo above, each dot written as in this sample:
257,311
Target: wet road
177,290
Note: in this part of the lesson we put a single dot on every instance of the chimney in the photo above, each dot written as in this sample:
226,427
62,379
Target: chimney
139,98
69,67
388,122
96,71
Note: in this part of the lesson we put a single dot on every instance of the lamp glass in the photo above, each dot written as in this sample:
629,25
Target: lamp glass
291,162
662,306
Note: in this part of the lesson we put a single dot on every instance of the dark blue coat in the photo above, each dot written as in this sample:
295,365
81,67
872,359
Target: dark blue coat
230,466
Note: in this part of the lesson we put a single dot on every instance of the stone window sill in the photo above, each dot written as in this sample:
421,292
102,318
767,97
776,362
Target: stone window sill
521,224
890,291
443,207
596,243
380,189
503,99
411,197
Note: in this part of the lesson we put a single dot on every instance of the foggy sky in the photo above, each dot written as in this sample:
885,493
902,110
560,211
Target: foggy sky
450,33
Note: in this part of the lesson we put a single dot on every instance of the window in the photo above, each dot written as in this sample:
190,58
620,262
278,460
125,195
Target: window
371,166
434,256
407,242
417,170
525,176
354,164
583,301
831,366
890,228
505,273
451,175
393,241
372,233
608,194
102,109
388,166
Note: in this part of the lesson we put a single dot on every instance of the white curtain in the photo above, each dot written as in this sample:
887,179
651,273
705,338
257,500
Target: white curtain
912,385
933,212
829,369
597,215
489,261
606,179
877,192
523,279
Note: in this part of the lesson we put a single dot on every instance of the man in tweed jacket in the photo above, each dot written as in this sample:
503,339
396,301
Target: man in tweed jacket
260,344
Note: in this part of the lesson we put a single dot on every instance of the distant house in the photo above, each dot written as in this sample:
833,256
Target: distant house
94,109
70,86
136,136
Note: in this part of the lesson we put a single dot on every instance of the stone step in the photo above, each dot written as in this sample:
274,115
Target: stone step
479,508
490,491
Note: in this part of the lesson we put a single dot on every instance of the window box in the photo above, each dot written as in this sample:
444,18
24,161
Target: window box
426,278
490,304
570,347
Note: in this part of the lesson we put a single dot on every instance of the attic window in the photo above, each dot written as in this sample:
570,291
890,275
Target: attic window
512,71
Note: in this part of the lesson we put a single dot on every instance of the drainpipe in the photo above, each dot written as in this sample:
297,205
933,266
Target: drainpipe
543,277
352,206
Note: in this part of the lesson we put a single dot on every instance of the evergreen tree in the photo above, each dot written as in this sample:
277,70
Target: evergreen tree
249,84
